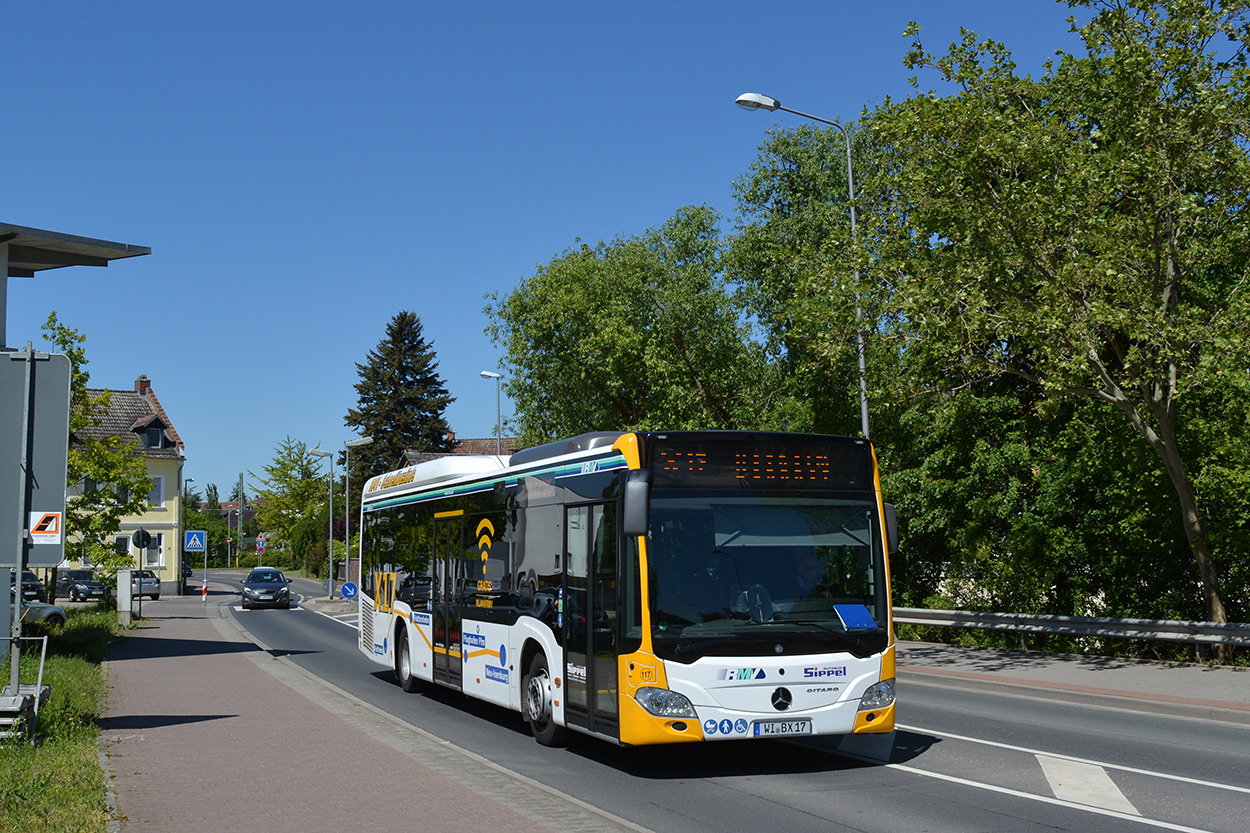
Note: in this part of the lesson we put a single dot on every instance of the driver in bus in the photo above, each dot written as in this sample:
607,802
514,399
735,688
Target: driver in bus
807,575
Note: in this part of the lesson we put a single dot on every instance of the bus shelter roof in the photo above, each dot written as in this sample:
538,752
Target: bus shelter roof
32,250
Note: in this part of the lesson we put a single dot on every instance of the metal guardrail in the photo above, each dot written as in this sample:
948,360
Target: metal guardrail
1220,633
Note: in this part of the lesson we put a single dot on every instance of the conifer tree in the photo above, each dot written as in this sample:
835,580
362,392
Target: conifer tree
402,400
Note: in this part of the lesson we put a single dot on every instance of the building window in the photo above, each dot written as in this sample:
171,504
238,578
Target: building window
121,544
152,557
123,495
155,438
156,497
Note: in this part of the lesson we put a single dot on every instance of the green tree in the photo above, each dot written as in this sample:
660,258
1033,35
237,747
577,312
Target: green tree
107,475
402,399
792,228
1086,231
212,520
638,333
292,490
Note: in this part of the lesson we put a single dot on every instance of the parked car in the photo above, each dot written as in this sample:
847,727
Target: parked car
32,587
41,612
266,587
79,585
187,571
145,583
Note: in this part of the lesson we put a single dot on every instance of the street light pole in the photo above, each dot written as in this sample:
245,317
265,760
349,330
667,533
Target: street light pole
756,101
316,452
182,529
486,374
347,495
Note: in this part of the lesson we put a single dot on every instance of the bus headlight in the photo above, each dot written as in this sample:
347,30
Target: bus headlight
877,696
664,703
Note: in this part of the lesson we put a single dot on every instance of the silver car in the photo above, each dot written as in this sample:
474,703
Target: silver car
145,583
42,612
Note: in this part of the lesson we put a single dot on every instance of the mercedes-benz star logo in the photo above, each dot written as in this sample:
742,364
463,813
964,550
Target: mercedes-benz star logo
781,699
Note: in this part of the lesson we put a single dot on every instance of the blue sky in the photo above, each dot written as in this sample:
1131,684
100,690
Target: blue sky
303,171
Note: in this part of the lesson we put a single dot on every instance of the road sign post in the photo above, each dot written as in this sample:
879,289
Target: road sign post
196,540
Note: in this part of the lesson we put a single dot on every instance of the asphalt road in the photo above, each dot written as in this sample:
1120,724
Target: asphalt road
961,761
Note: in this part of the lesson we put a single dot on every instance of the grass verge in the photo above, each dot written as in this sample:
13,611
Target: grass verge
57,784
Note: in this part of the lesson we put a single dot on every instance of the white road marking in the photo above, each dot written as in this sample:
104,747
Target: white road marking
349,623
1084,784
1103,764
1044,799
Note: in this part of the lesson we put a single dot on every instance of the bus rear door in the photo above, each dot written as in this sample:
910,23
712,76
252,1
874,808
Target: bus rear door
448,565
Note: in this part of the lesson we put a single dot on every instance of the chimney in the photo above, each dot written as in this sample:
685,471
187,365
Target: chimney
142,385
451,437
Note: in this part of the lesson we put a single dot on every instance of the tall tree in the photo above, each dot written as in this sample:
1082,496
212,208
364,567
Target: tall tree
293,489
635,333
107,476
793,224
1087,231
401,402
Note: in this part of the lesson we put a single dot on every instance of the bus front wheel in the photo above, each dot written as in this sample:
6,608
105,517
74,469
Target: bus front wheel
536,703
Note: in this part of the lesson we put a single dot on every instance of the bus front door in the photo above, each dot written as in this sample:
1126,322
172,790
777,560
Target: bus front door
448,564
590,618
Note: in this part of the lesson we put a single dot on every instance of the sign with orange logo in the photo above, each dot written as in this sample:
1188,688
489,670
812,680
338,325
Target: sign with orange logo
45,527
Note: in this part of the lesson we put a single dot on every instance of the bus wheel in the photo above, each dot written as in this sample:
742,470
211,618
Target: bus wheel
536,704
403,664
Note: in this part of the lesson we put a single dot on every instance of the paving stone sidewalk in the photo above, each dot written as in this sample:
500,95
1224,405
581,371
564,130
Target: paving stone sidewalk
206,732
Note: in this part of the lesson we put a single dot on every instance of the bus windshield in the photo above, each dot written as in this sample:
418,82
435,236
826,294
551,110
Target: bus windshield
735,575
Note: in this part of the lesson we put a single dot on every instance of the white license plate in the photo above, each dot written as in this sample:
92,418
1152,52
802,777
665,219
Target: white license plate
265,598
778,728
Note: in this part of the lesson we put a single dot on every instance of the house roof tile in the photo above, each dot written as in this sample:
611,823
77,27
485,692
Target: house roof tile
131,413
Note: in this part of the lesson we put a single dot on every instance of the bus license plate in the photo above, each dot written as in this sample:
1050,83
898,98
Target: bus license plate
778,728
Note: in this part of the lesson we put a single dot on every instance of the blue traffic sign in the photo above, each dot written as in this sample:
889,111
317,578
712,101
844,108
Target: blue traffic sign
194,540
349,590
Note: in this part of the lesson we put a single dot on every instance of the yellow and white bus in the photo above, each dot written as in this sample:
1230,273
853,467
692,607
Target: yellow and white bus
641,587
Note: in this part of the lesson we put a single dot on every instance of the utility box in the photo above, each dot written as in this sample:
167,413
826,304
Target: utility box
124,597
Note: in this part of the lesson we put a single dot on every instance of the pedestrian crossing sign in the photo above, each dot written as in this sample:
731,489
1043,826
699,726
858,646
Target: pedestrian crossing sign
194,540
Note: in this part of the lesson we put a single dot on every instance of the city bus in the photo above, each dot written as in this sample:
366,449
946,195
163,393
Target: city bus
643,587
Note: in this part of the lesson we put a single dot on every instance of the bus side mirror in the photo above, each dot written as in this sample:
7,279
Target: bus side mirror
637,510
891,529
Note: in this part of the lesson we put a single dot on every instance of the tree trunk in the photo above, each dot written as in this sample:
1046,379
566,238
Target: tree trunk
1164,442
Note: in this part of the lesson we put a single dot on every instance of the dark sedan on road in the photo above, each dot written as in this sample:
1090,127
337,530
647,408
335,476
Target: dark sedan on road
266,587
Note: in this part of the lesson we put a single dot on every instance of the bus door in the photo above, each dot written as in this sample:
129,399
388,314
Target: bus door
448,566
590,621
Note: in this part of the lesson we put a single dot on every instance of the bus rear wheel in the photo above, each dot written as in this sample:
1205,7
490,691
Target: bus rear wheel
536,704
403,663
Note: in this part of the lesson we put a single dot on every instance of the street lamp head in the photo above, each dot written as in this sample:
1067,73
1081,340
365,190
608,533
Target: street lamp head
358,443
316,452
486,374
757,101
